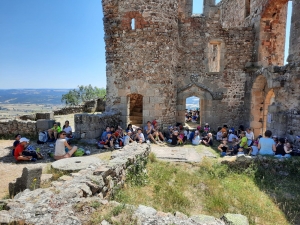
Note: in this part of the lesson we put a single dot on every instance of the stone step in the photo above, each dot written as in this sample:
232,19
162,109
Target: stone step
137,109
136,114
136,118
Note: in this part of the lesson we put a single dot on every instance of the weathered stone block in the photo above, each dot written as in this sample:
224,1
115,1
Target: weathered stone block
30,179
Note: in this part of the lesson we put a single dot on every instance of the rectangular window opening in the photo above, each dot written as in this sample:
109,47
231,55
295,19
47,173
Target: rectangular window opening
198,7
288,30
247,8
132,24
214,57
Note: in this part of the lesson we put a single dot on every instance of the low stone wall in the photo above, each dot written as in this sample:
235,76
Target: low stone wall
13,127
69,110
92,125
54,205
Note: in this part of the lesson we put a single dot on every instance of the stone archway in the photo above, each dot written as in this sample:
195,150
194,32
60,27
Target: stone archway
269,99
272,33
257,104
261,98
205,104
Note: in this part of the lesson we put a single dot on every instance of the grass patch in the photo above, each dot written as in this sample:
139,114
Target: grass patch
55,173
262,194
117,215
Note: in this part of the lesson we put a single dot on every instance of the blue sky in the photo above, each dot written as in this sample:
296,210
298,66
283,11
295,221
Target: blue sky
53,43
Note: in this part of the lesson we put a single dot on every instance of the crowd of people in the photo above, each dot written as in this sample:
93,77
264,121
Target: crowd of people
230,141
23,151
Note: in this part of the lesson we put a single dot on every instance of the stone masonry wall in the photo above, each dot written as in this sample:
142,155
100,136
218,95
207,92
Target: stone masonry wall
13,127
142,60
196,34
92,125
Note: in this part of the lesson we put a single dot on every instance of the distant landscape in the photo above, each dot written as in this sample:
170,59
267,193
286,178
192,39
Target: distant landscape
17,102
32,96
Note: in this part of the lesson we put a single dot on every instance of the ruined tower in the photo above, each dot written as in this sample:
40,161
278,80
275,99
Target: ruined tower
141,54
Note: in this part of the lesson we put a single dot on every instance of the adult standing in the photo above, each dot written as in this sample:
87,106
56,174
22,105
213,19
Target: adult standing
266,145
60,147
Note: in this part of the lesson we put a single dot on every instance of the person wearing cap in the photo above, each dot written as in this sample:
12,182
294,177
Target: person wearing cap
61,145
54,131
21,155
127,139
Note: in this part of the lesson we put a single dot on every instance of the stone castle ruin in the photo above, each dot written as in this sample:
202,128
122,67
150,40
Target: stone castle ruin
231,57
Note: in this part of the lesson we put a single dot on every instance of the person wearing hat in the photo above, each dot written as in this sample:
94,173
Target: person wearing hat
127,139
20,154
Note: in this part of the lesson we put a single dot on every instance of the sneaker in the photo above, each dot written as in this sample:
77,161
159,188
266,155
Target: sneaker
33,159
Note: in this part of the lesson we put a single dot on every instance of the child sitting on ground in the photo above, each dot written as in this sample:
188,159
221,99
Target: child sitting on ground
241,151
254,149
223,147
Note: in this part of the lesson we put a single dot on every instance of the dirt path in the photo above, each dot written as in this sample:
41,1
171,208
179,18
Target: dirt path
9,169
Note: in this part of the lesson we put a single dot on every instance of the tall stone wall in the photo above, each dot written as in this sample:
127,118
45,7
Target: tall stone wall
12,127
221,92
142,60
91,126
229,57
294,50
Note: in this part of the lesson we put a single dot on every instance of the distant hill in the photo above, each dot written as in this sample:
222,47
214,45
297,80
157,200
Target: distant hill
32,96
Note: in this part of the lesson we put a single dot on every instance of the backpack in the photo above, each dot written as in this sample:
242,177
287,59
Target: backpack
43,137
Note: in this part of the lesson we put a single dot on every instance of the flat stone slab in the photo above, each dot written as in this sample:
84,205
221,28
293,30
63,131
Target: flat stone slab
77,163
180,154
177,154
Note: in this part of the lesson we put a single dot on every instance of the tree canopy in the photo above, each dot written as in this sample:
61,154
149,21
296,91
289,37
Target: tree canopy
82,94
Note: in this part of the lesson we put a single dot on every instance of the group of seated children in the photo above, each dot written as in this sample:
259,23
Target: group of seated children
244,143
177,135
192,115
56,129
115,138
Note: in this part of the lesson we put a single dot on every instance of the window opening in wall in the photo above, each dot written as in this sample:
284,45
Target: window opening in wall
247,4
133,24
217,1
288,30
192,112
198,6
214,57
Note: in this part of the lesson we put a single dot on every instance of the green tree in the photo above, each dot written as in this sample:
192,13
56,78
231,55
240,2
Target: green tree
82,94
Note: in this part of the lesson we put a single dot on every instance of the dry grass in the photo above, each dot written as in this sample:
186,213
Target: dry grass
214,189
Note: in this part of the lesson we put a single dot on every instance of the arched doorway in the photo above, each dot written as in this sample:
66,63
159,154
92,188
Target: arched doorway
269,99
135,108
261,98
